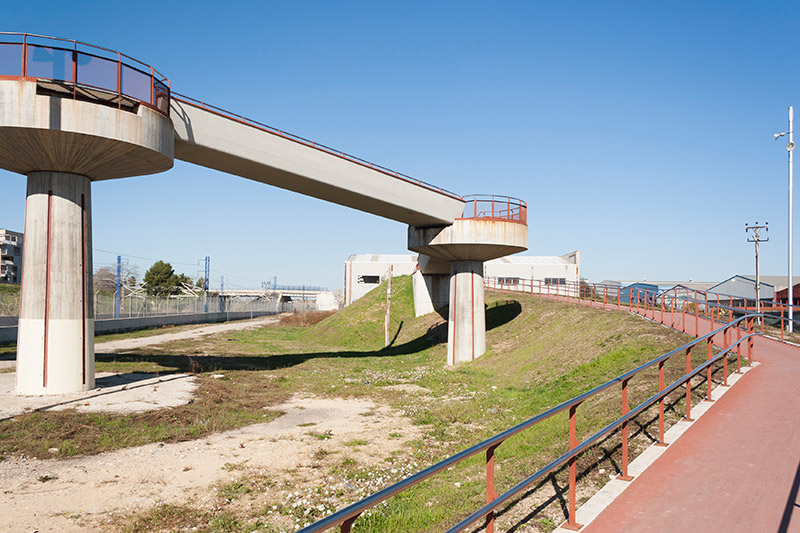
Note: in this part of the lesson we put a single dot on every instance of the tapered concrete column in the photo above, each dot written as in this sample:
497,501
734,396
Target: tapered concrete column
466,331
55,343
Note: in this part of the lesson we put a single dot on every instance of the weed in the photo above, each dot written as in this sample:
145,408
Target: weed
321,435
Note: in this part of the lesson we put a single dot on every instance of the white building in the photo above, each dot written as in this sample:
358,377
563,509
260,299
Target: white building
10,256
364,272
551,269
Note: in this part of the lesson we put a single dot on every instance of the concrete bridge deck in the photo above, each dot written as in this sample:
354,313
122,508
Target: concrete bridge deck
211,138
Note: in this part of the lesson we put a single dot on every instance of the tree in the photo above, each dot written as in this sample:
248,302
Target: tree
201,282
160,279
105,280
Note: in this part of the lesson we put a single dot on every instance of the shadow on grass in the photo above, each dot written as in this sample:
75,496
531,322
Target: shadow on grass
498,314
608,449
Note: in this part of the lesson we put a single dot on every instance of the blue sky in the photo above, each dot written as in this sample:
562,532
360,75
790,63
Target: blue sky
638,132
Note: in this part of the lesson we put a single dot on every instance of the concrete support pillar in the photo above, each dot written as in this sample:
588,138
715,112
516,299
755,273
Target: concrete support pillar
55,344
466,332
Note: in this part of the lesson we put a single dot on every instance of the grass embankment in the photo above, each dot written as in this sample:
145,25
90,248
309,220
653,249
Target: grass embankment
9,300
540,353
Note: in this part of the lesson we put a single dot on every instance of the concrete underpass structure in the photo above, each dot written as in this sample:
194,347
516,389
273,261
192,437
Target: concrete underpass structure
71,113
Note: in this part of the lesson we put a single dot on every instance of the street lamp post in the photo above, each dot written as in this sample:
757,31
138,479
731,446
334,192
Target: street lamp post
790,148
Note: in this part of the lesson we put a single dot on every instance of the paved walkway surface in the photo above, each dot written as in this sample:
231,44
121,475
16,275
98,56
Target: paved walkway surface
736,469
140,342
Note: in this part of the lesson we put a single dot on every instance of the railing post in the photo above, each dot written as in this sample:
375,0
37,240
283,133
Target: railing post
672,313
689,385
347,524
619,297
662,308
683,317
119,80
696,317
725,335
781,322
25,56
625,410
605,296
738,348
75,71
573,443
491,492
661,386
709,354
752,330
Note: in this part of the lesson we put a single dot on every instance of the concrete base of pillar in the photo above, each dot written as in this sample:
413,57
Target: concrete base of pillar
466,332
55,342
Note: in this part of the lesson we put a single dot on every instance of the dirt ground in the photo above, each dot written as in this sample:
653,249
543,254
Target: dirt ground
133,343
91,493
87,493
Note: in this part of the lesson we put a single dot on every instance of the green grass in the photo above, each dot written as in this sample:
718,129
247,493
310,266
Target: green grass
540,353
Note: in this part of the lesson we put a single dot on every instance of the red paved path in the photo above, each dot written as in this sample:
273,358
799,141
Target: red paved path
737,468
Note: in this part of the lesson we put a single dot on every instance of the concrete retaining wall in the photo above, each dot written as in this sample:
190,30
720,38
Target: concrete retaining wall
8,334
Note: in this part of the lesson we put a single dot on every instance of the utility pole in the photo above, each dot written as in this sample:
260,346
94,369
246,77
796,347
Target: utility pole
221,294
117,298
388,308
206,274
757,239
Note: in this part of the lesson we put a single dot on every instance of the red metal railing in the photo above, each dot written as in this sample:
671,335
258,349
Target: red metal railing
491,207
724,337
311,144
26,55
718,307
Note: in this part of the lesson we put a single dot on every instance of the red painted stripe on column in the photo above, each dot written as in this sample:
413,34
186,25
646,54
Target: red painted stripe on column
472,305
83,283
47,286
455,308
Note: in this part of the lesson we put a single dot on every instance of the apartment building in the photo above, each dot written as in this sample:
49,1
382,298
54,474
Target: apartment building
10,256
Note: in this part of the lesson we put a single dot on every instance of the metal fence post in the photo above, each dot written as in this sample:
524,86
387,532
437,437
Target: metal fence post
661,386
491,492
625,410
689,385
709,354
573,443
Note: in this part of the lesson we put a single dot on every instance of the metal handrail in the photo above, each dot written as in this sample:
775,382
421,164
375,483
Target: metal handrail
81,43
495,207
311,144
580,448
347,516
159,84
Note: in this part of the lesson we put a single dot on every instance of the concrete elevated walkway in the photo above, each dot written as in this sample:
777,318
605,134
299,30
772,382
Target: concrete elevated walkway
211,139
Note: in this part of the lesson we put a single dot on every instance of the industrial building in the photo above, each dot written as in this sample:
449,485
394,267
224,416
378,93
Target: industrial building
10,256
737,289
364,272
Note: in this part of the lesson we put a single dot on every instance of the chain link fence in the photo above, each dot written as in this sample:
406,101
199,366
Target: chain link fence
140,305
